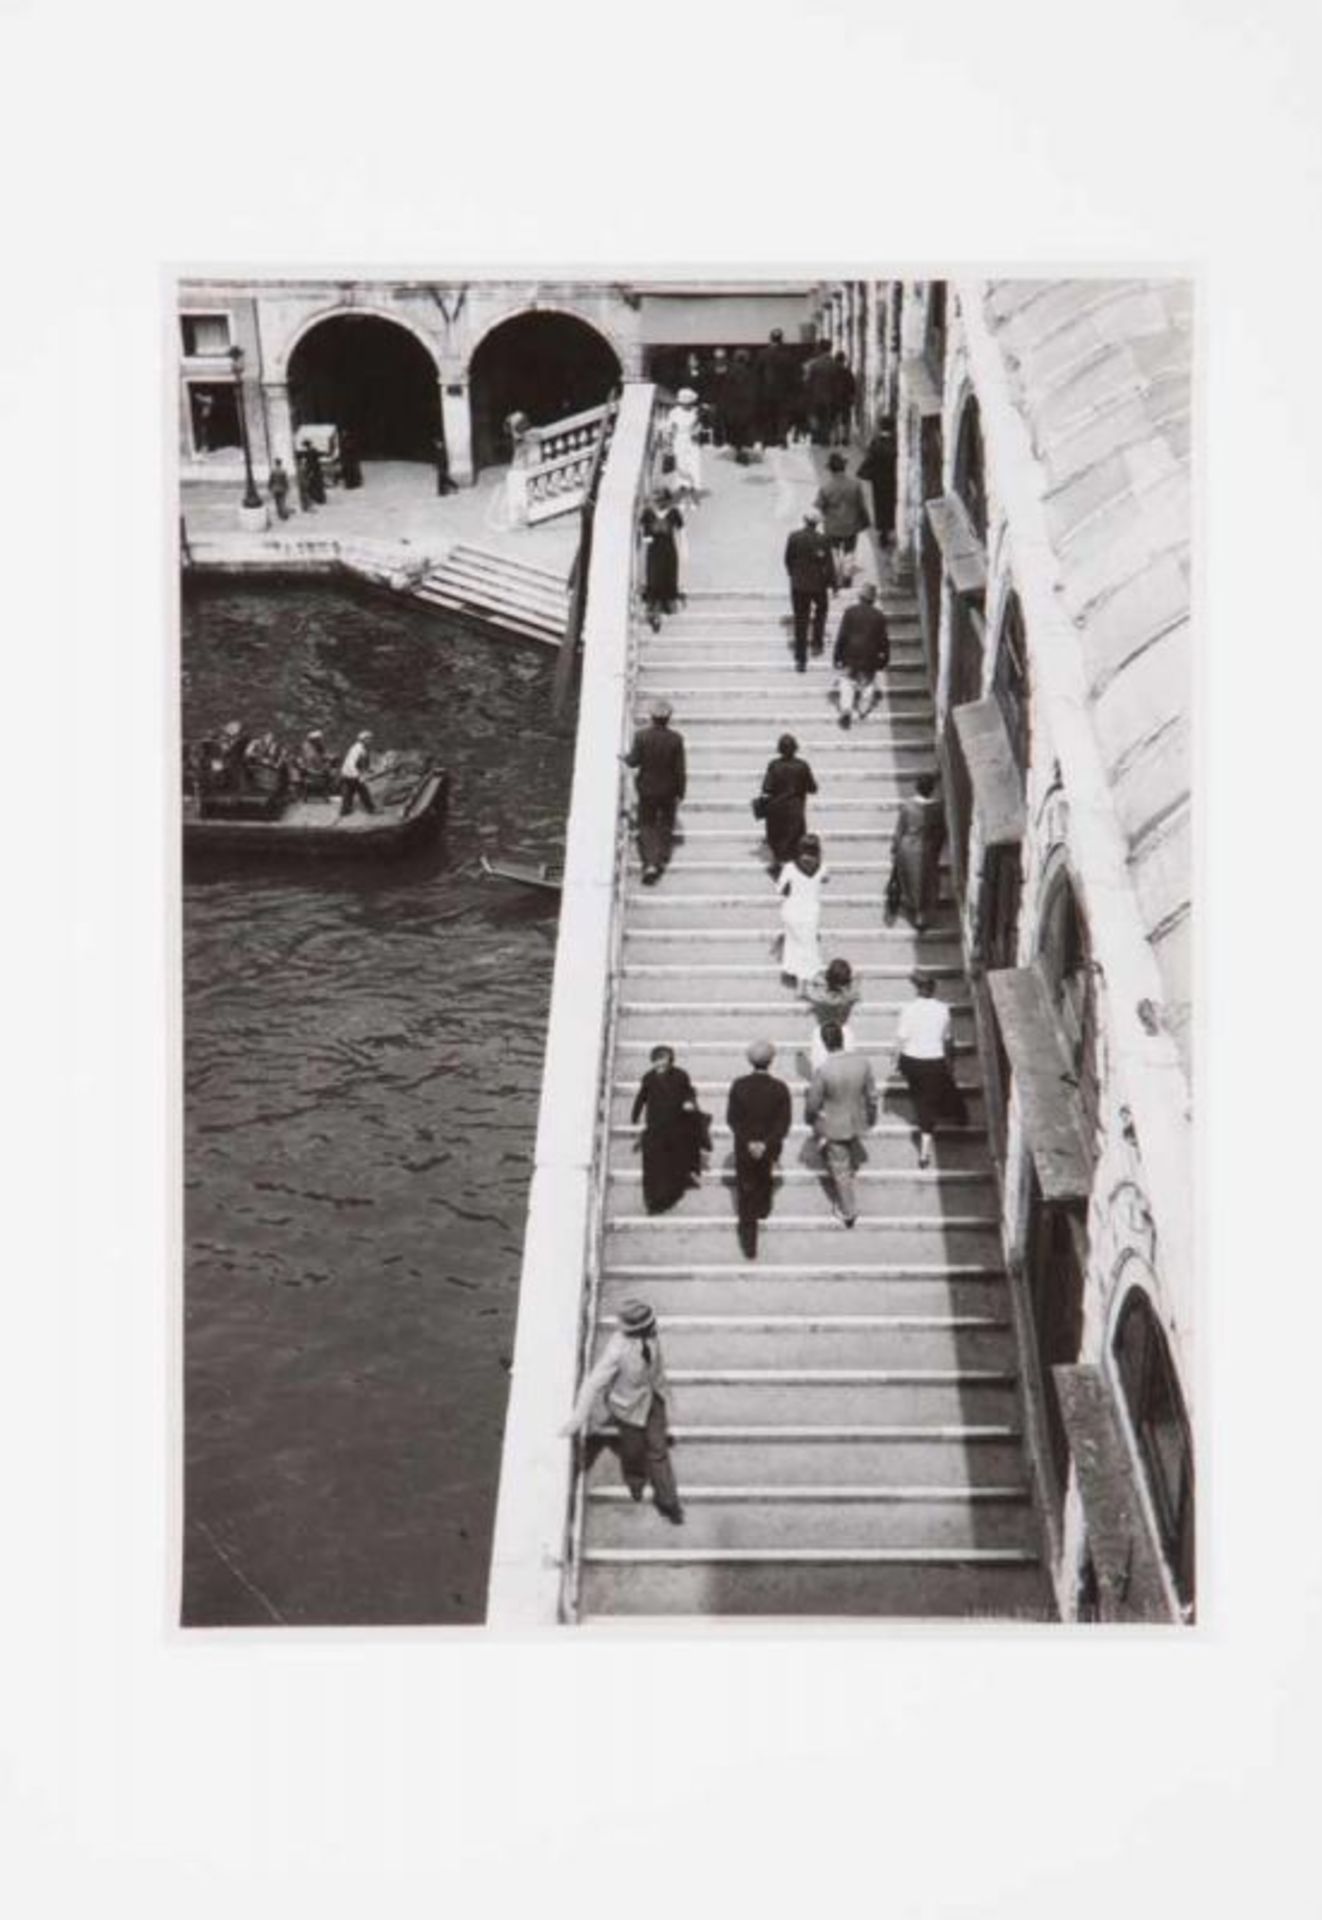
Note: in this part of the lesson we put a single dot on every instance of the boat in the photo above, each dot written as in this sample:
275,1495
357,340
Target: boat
525,873
412,798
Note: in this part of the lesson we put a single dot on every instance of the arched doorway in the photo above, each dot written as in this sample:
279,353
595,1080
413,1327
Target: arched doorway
1160,1426
372,375
546,365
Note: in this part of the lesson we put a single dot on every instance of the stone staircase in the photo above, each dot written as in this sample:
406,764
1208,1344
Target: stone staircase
847,1429
499,591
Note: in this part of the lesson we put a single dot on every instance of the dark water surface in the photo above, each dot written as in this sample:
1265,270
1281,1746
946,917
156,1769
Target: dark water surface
362,1060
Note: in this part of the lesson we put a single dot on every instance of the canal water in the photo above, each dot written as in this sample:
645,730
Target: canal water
362,1059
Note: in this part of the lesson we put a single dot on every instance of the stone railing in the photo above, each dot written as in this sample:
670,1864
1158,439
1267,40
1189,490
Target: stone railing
532,1580
556,480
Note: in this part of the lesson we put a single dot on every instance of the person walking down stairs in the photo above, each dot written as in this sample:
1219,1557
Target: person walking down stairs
657,756
925,1055
628,1385
758,1114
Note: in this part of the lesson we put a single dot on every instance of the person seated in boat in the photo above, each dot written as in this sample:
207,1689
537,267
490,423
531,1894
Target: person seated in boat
204,768
234,740
353,776
266,765
313,769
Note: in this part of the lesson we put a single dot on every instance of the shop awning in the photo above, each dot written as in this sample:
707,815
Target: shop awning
962,552
1124,1557
1044,1082
997,781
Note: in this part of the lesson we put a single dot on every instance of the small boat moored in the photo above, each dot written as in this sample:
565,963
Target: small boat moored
525,873
410,797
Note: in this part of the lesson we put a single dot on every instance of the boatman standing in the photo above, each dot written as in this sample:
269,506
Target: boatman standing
353,776
657,755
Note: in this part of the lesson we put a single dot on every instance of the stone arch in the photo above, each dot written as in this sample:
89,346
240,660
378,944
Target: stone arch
372,371
545,361
968,473
282,355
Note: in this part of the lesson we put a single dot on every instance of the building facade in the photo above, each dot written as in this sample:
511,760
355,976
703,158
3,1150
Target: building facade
1044,432
413,364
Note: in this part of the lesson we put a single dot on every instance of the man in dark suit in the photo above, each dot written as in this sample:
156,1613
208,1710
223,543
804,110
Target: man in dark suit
862,651
808,564
779,379
840,1107
758,1113
657,755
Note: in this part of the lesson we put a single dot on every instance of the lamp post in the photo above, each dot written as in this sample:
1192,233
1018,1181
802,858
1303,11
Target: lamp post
251,497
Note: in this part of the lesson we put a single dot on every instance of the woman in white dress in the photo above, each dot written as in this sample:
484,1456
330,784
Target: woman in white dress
682,433
800,889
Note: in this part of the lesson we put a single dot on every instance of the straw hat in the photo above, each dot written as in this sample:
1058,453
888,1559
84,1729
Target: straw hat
687,397
636,1317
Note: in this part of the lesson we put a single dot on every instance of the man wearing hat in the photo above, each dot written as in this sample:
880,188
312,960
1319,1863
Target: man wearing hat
758,1113
353,776
840,1107
809,566
628,1385
657,756
862,651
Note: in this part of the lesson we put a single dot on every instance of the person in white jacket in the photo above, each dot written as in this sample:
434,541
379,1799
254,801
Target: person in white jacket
628,1385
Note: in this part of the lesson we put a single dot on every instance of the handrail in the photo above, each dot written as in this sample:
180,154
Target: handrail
578,579
534,1535
606,1077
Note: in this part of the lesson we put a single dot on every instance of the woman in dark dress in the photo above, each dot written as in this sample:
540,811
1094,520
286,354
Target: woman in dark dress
660,523
672,1131
920,832
877,467
785,788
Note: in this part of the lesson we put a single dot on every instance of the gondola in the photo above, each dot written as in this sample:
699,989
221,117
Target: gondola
411,795
525,873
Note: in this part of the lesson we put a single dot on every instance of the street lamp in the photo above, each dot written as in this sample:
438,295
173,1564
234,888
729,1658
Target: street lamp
251,497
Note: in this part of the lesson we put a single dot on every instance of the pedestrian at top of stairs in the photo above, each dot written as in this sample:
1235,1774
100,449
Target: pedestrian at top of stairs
628,1385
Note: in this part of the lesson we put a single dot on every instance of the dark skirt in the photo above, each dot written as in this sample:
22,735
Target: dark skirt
661,584
671,1153
785,821
935,1096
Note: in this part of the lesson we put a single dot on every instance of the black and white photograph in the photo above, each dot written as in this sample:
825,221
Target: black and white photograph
687,949
659,1077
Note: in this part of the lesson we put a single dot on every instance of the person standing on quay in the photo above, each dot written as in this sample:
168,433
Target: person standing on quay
862,651
351,467
808,564
840,1107
920,833
316,479
657,756
671,1142
925,1055
758,1112
781,806
629,1385
279,487
844,515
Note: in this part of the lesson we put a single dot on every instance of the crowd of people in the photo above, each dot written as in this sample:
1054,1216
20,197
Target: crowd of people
308,481
742,402
238,762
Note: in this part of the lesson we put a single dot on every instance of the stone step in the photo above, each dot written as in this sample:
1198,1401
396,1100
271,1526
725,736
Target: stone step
749,880
917,1585
867,1520
891,1147
875,810
898,1192
535,590
733,1284
790,1461
718,1062
872,1023
845,919
810,1340
543,577
529,627
896,1102
799,1237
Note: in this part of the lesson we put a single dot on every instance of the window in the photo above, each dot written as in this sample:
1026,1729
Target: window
213,415
1010,682
1067,965
970,482
965,685
205,334
998,943
1161,1429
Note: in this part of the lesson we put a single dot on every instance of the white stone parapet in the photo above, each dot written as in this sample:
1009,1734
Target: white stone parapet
534,1512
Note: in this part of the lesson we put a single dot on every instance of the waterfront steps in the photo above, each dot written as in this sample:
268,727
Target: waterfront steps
498,590
848,1436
